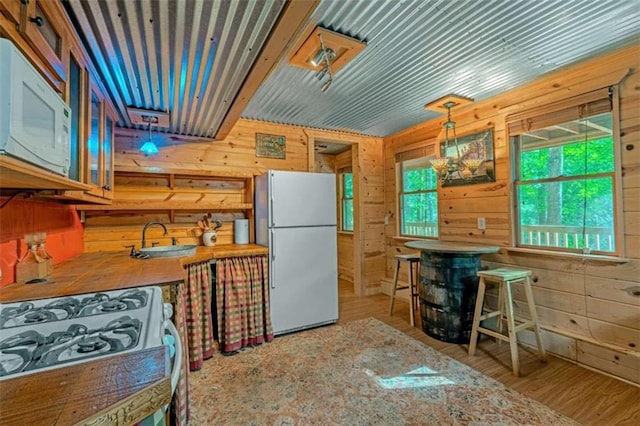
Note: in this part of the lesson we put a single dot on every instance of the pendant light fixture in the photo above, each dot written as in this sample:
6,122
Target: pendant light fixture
325,52
324,56
450,164
149,148
149,118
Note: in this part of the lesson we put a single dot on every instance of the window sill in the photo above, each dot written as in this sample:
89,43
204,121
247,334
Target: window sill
413,238
584,257
345,232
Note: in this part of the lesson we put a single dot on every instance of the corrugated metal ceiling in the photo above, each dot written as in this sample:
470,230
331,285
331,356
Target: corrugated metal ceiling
191,57
421,50
186,57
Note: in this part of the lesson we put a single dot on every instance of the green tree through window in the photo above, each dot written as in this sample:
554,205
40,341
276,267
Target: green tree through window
347,201
565,185
418,199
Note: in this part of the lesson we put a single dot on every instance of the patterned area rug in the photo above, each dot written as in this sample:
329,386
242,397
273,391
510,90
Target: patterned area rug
359,373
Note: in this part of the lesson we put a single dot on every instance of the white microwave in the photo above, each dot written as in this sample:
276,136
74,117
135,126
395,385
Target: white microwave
35,123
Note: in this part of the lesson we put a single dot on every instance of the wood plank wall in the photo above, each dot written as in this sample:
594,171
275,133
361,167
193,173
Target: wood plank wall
236,153
371,226
590,310
325,163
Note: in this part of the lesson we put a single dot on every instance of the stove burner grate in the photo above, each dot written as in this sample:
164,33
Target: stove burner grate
27,313
33,350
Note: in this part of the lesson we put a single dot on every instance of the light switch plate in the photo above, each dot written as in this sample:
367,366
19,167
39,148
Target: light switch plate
482,223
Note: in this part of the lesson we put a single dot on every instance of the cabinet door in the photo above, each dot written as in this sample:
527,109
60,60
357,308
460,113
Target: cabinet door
42,27
11,9
76,83
107,183
99,147
94,141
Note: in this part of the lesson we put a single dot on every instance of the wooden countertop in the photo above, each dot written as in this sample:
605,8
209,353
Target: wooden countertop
104,271
86,392
225,250
435,246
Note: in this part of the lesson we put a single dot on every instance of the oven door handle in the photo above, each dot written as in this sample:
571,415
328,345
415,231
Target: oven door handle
177,359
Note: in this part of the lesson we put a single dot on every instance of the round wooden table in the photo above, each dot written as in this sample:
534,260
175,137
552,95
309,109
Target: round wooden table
447,287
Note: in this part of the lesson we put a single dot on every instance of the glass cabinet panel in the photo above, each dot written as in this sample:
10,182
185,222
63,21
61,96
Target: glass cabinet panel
75,92
108,153
93,143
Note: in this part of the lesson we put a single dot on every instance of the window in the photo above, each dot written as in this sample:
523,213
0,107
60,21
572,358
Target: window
346,196
418,197
565,177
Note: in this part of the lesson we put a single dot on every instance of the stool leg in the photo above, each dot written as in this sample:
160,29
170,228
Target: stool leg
534,317
411,284
395,286
501,309
473,341
513,340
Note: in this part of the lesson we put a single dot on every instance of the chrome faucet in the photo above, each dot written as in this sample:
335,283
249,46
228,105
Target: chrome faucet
144,231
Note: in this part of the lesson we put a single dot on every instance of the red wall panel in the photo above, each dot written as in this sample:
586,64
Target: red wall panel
18,217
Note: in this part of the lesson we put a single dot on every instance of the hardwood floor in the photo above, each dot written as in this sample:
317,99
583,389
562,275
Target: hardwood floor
586,396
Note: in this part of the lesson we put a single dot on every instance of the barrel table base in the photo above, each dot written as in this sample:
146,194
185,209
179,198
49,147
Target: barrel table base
447,290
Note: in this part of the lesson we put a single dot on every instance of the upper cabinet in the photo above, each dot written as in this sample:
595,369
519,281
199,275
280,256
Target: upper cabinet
42,26
43,33
99,148
39,29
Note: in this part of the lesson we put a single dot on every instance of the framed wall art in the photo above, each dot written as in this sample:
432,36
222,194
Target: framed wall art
271,146
471,160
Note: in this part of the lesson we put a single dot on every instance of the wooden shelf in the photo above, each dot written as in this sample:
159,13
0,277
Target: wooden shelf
16,174
167,205
183,172
179,190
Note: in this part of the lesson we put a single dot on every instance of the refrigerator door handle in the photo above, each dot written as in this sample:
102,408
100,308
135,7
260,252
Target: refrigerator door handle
271,198
272,267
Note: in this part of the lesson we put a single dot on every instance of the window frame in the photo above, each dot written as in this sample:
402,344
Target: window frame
544,114
424,150
341,210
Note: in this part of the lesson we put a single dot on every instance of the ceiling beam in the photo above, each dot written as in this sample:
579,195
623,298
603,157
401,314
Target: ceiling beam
293,18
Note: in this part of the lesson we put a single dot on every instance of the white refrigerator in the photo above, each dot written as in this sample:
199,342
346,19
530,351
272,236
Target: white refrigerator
296,218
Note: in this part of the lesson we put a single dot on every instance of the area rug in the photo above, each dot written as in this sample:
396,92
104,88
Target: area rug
359,373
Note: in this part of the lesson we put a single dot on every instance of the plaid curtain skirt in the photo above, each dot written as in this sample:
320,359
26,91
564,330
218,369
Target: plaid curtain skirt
199,317
242,300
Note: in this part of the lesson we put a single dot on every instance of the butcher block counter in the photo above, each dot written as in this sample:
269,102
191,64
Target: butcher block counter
107,386
121,389
104,271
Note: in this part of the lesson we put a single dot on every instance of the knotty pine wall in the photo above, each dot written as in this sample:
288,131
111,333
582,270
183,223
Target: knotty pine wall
590,310
236,153
325,163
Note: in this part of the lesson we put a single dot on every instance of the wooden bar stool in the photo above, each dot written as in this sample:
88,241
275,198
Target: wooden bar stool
505,277
412,259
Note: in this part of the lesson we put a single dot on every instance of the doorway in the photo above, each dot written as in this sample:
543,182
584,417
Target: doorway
335,157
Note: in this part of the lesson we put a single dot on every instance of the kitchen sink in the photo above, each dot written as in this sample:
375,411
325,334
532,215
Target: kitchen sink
169,251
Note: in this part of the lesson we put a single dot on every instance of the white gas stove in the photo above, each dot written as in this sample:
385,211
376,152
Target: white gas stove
45,334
